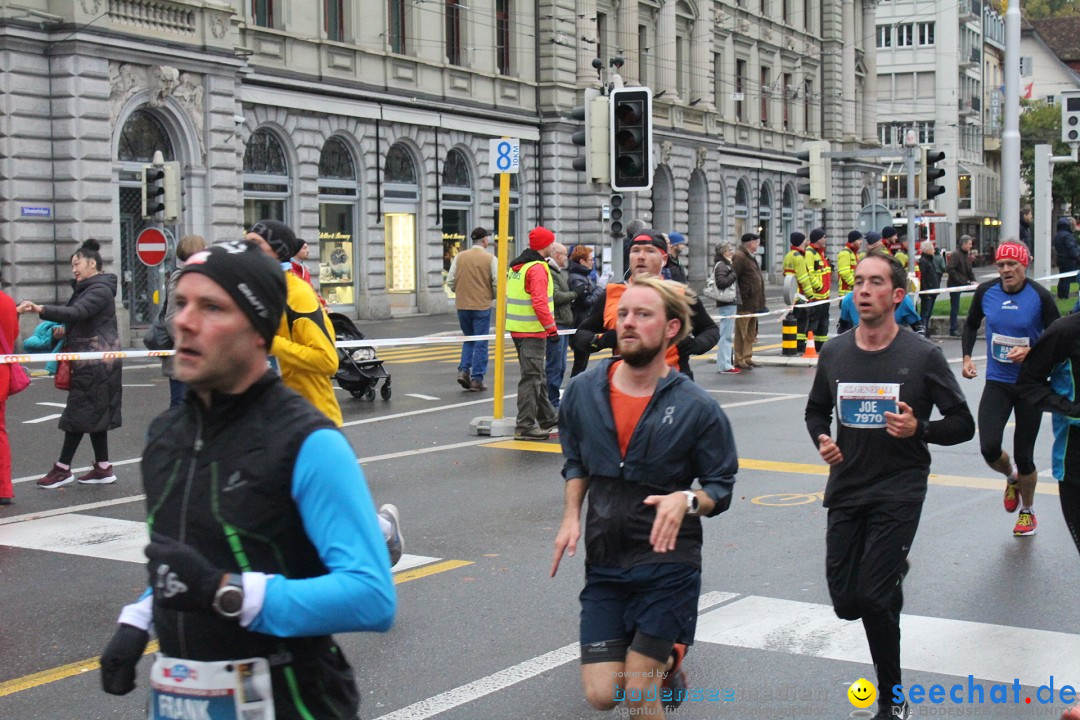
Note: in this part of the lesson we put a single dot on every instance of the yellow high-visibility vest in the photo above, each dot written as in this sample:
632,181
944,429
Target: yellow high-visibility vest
520,314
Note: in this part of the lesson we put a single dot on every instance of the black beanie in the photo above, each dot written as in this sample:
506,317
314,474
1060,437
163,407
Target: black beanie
888,232
279,236
816,234
797,238
254,281
853,236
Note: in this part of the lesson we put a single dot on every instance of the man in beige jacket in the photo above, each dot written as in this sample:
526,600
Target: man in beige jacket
472,278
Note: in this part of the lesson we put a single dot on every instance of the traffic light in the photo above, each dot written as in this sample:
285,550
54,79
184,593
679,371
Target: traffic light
631,139
593,137
616,215
152,191
171,186
929,175
1070,116
817,169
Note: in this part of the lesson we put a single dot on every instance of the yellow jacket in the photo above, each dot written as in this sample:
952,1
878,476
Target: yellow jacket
846,260
795,264
304,348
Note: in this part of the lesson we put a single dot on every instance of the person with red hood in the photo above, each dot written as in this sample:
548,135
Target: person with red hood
530,318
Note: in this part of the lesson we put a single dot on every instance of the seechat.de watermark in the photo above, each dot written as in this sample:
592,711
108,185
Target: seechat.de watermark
976,693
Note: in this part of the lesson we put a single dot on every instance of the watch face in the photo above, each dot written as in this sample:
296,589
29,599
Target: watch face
230,600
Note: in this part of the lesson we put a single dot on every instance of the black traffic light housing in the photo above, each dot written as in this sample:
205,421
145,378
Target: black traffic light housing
631,139
616,215
153,190
930,174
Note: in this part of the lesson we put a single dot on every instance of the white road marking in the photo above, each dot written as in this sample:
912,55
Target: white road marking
511,675
423,412
41,419
52,404
727,406
84,535
140,385
109,539
421,397
940,646
72,509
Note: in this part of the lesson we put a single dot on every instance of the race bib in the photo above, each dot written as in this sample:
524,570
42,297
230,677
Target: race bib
222,690
863,405
1000,345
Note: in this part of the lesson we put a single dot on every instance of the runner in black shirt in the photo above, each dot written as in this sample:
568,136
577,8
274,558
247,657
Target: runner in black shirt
882,384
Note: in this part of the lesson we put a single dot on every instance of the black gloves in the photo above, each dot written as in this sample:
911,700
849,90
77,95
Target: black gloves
182,579
120,658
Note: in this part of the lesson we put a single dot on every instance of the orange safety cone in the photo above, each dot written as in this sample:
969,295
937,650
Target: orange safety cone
811,351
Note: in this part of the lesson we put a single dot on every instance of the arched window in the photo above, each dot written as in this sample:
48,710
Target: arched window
765,217
144,133
742,208
787,214
457,204
400,167
402,197
266,178
338,197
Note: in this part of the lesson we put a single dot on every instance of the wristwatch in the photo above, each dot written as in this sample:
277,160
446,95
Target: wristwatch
691,502
229,598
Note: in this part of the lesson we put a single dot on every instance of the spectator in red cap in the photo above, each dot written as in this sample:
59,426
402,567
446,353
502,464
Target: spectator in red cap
530,318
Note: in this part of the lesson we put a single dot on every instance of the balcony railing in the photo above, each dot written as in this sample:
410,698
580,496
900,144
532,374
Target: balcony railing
970,10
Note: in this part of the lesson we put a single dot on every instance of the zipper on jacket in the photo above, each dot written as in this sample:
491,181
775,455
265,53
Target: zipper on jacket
197,447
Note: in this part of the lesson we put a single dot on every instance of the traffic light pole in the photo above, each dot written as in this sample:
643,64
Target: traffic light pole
1044,201
912,205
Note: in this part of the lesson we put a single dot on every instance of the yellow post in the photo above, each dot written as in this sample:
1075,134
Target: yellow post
500,297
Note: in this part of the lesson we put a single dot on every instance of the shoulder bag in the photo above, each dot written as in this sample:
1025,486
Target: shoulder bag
18,379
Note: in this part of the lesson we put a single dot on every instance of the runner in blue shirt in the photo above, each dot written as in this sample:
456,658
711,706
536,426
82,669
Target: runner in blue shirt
1017,312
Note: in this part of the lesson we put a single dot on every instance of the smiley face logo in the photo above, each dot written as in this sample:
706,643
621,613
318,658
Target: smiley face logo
862,693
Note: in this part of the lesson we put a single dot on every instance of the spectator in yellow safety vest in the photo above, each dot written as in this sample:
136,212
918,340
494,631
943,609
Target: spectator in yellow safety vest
795,264
820,271
846,260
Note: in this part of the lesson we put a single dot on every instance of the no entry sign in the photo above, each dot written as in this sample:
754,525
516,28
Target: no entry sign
152,245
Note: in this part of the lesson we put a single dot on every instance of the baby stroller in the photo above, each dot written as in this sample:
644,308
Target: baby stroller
359,371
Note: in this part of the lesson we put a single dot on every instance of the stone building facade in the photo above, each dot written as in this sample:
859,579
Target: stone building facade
366,125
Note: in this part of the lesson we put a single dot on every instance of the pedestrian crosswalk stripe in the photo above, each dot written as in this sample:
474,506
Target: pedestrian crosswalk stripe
124,540
943,646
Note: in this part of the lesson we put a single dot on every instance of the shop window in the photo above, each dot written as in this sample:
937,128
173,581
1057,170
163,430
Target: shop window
338,197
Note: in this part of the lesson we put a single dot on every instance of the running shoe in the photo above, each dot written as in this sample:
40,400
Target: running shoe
56,477
1025,524
732,371
1012,494
674,685
395,543
100,474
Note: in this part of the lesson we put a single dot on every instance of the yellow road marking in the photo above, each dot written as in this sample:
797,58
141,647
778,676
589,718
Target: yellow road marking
426,570
525,445
27,682
45,677
1043,488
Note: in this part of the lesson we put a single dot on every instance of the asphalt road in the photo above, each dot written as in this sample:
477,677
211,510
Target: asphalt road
483,632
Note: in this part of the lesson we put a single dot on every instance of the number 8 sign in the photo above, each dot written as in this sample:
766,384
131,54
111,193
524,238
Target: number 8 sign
505,155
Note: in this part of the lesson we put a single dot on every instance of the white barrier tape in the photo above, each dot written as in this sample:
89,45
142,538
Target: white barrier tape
429,340
138,354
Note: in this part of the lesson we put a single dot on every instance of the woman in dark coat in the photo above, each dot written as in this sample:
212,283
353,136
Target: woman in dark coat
580,280
93,404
